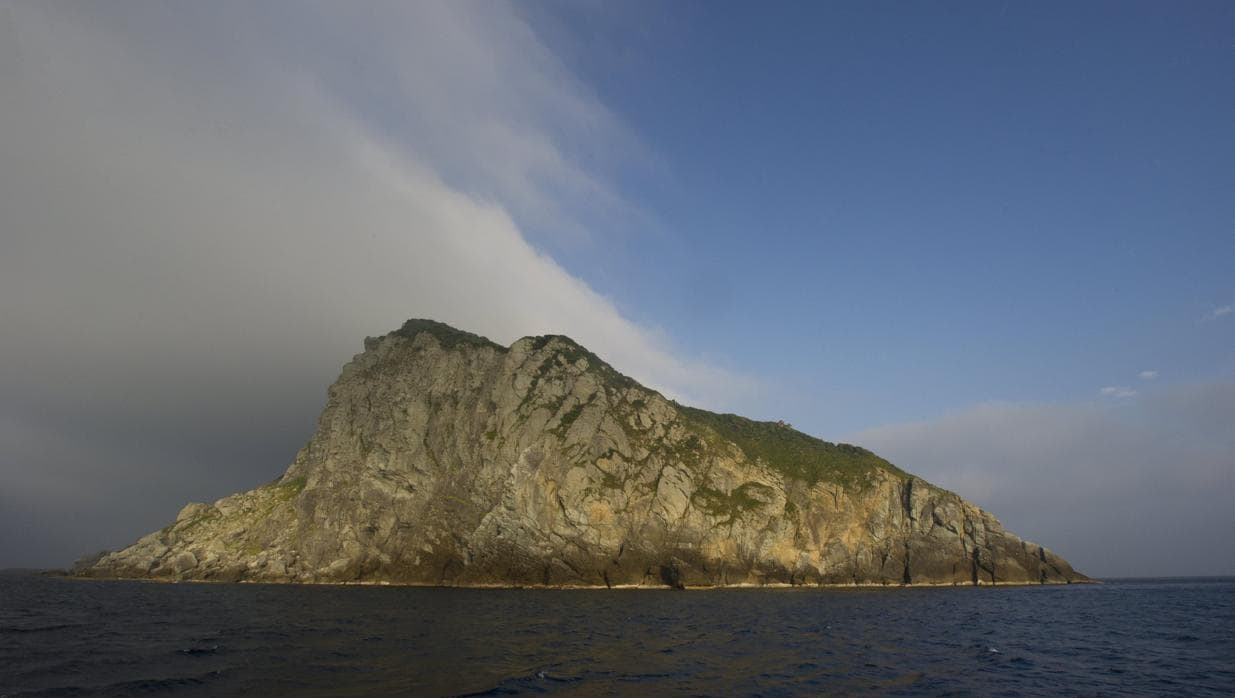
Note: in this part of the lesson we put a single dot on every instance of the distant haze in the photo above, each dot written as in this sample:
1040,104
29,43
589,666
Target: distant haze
1130,490
995,248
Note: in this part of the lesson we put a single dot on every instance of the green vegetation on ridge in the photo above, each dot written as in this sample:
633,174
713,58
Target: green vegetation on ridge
778,445
448,336
572,351
789,451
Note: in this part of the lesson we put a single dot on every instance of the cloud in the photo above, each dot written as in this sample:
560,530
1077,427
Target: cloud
205,211
1120,391
1140,490
1219,312
470,90
1147,375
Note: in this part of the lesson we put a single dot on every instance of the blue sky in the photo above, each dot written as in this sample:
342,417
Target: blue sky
991,241
918,207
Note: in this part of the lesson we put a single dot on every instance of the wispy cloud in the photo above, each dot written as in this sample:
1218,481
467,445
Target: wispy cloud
1147,375
1219,312
290,177
1120,391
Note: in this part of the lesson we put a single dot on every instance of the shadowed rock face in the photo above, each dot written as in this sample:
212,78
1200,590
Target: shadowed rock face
443,458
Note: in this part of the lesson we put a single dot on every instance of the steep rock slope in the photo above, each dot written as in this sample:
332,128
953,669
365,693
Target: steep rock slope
444,458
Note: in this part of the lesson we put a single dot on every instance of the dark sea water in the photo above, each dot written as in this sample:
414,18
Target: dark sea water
73,637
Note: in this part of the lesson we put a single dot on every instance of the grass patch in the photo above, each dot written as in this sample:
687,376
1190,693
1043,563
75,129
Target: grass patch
194,522
731,506
690,452
789,451
286,491
567,419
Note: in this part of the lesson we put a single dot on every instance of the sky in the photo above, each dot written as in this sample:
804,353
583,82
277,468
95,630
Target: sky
992,242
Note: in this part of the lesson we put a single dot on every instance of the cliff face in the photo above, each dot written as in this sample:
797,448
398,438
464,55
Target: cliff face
443,458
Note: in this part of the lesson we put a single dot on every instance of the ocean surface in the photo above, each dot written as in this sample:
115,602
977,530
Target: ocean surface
1147,637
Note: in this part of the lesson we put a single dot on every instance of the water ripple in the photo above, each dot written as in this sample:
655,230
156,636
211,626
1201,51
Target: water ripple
75,637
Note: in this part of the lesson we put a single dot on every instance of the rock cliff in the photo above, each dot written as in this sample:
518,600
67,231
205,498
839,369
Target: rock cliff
444,458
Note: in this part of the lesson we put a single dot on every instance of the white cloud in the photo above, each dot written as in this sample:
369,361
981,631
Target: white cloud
157,192
1219,312
1147,375
470,91
1120,391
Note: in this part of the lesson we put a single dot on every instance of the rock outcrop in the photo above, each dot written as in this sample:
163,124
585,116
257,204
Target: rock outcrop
444,458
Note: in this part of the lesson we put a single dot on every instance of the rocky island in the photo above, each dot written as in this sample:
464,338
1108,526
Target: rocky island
442,458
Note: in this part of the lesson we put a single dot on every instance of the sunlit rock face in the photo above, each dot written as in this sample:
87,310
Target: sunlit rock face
444,458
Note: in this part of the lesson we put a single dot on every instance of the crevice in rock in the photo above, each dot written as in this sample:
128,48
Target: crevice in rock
906,577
